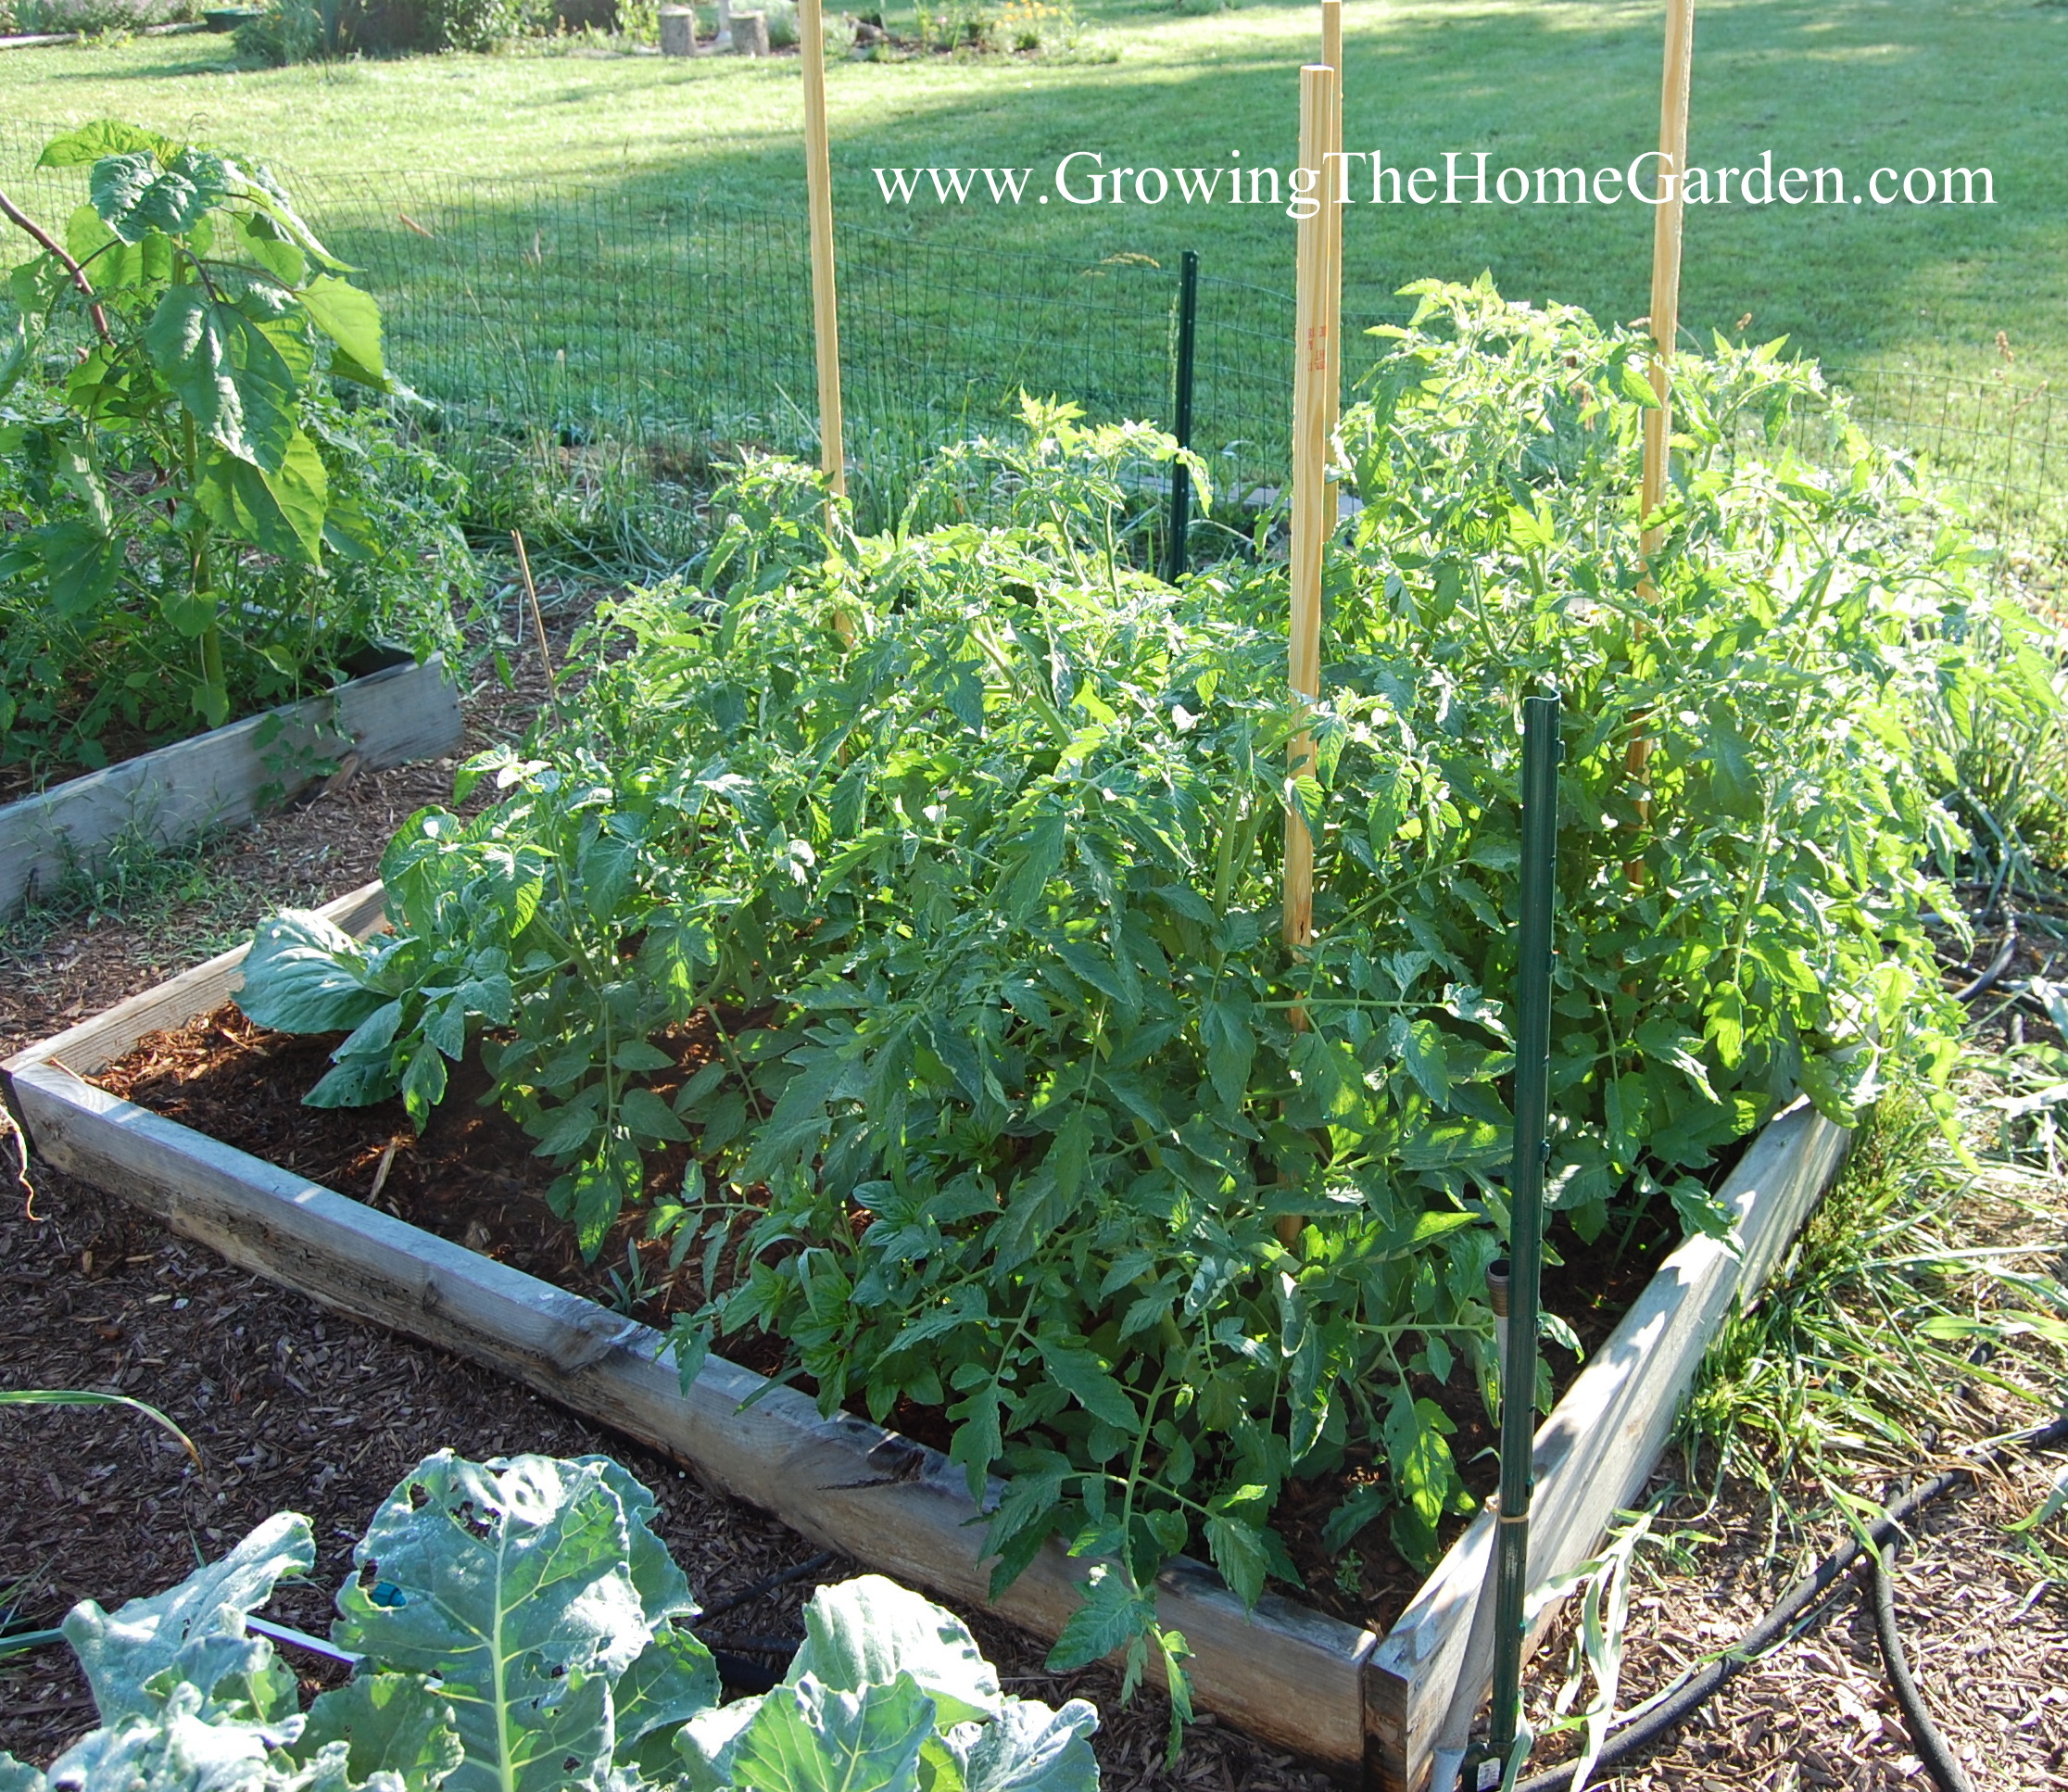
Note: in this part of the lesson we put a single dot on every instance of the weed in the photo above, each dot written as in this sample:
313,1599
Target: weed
1890,1317
133,877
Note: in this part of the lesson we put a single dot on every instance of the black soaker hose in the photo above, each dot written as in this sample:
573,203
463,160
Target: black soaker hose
1812,1590
1993,975
1946,1772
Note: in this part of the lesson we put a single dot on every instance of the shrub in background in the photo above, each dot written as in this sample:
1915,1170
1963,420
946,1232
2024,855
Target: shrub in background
100,15
296,30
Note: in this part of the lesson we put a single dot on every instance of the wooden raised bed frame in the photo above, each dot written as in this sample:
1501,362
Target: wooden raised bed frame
227,775
1367,1707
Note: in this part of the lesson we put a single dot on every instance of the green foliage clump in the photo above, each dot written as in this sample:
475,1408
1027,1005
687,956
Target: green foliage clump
520,1628
301,31
474,24
197,521
92,16
966,845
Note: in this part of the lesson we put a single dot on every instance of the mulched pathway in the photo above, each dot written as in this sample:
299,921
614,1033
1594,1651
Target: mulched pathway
296,1408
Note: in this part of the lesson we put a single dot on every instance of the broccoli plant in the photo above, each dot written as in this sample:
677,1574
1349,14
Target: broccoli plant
519,1627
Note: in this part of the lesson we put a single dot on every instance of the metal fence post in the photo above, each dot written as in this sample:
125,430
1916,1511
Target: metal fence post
1180,474
1540,753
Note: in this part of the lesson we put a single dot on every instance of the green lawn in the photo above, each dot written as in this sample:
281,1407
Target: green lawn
1859,82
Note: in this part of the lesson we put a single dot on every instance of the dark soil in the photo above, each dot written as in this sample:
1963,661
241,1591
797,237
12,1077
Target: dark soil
18,779
471,1177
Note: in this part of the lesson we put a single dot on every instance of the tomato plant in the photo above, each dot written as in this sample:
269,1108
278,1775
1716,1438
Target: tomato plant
965,844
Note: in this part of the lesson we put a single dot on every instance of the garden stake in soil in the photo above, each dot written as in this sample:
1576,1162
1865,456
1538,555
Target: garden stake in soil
538,620
1666,257
818,175
1310,494
1181,421
1665,326
1312,417
1532,1066
1334,179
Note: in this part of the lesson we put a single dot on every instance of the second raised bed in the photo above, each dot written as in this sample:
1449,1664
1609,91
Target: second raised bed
227,775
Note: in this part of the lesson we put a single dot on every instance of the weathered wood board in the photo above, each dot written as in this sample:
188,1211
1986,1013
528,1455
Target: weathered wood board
224,776
1362,1706
1601,1441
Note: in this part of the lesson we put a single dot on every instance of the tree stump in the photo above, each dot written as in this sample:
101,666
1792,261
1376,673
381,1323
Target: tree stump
679,31
750,33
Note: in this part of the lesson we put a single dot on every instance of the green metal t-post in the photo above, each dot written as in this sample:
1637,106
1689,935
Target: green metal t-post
1541,753
1180,474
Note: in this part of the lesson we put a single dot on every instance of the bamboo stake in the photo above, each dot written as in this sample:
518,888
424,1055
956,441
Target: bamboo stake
1310,487
538,622
1332,181
818,173
1312,518
1665,327
1666,254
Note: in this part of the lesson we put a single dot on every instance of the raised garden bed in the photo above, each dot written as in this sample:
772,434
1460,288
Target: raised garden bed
1362,1704
227,775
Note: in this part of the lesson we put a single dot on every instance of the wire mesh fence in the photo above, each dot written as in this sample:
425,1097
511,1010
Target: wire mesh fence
636,335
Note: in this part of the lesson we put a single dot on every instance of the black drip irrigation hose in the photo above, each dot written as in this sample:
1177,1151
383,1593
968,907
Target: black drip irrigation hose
1807,1596
757,1664
1988,979
748,1673
1946,1771
767,1584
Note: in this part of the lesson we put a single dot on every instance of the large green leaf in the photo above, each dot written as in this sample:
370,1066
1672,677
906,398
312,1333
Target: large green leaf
867,1632
306,975
104,137
1113,1615
261,189
236,379
352,321
180,1749
1029,1748
808,1737
1239,1552
709,1742
674,1680
144,190
1075,1368
1425,1477
83,565
188,1627
663,1587
283,512
1224,1029
396,1723
509,1581
18,1776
